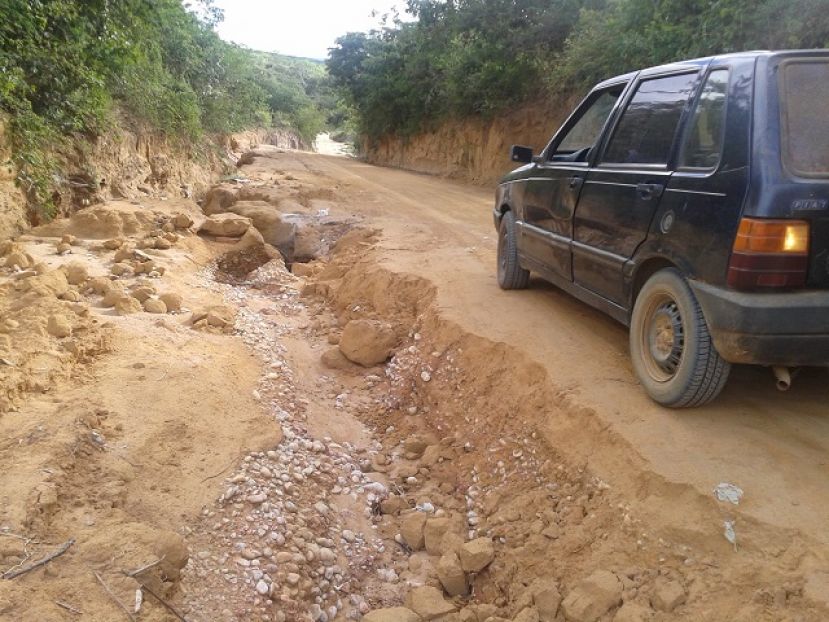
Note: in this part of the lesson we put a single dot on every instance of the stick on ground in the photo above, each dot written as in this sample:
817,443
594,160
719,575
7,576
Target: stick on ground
69,607
114,597
11,574
169,607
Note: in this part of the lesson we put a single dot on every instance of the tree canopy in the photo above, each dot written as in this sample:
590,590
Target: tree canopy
65,65
460,58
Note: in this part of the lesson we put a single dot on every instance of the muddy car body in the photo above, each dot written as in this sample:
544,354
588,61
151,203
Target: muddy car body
691,202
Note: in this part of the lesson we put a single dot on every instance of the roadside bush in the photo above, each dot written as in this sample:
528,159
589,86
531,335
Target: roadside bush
462,58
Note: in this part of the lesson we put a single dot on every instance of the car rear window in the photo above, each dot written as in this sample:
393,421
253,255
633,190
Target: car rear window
804,86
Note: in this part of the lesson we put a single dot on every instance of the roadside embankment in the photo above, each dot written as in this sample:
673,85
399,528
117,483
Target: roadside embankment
474,149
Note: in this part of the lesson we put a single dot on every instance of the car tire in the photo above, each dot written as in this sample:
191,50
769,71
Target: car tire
672,351
510,273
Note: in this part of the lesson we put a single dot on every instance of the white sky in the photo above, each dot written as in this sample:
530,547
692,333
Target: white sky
298,27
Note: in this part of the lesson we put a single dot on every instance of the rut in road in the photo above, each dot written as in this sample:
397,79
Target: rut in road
232,450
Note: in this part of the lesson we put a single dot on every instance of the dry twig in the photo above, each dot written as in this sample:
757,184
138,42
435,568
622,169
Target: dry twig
167,605
69,607
11,574
114,597
132,573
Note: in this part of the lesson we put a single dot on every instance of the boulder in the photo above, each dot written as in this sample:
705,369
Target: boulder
334,359
172,301
451,575
392,614
367,342
76,273
218,200
277,229
126,305
225,225
477,554
428,603
154,305
433,533
593,597
411,528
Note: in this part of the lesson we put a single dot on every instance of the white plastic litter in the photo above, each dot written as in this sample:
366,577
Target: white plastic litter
729,533
728,492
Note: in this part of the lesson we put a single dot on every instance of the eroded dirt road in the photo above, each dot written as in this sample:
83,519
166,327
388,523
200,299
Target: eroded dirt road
231,457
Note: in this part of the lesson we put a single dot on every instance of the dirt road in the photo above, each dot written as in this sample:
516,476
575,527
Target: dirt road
773,445
489,458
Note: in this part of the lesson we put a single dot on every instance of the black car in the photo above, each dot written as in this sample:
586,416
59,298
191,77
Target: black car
691,202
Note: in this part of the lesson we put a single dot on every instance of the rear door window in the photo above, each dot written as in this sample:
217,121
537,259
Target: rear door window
647,129
704,137
804,109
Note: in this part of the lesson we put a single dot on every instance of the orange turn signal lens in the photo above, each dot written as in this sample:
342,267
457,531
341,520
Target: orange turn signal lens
772,236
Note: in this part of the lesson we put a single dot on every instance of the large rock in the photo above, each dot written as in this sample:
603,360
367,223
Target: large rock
433,534
451,575
277,229
225,225
411,528
428,603
127,305
593,597
392,614
219,199
76,273
477,554
367,342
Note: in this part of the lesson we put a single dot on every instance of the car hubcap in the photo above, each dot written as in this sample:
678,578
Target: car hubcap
664,338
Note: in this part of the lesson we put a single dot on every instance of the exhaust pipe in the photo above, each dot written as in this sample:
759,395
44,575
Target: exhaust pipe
782,377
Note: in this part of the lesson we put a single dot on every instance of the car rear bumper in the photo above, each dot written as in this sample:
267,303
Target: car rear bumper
790,329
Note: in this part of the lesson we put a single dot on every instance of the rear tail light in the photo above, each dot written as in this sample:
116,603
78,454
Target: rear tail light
769,253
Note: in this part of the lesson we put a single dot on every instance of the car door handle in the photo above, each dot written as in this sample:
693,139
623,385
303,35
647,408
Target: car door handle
650,191
575,181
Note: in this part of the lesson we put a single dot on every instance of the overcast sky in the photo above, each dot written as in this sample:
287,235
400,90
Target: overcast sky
298,27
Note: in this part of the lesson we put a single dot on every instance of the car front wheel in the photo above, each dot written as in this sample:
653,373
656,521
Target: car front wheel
510,273
673,354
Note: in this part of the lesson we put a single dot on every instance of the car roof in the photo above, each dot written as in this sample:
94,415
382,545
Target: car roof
701,62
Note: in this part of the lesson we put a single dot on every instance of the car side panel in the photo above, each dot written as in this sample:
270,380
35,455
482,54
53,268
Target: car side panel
697,219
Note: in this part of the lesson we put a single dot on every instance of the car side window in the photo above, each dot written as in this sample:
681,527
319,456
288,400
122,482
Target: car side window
704,138
647,128
575,145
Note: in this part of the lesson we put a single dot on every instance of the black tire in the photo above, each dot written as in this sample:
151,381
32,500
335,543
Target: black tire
672,351
510,273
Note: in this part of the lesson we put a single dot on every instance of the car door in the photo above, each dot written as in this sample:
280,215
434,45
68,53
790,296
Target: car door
553,186
622,191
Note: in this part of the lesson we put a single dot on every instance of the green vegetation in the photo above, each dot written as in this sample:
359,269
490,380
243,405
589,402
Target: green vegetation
66,65
460,58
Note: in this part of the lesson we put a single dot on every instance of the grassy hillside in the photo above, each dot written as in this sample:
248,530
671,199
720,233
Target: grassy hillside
67,65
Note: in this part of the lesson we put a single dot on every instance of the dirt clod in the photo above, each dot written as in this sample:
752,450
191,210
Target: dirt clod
593,597
367,342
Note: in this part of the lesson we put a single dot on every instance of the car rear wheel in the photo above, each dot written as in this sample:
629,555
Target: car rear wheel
510,273
672,351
